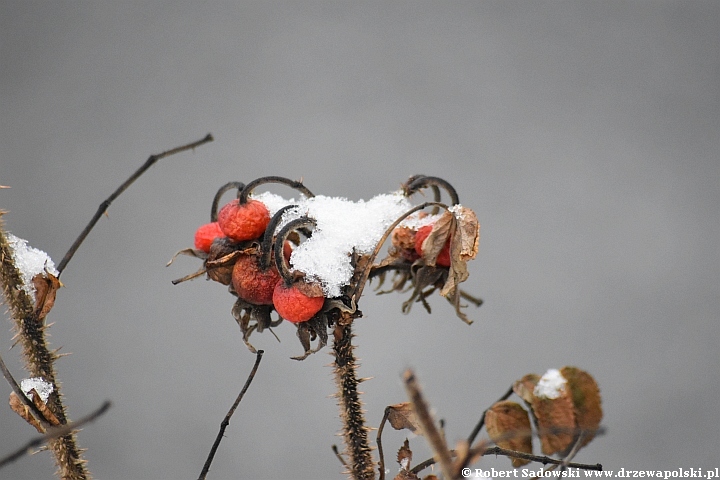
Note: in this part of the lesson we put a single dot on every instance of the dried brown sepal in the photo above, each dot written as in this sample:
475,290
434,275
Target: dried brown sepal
404,455
464,242
508,425
556,422
442,229
46,287
401,416
310,289
25,412
17,406
586,400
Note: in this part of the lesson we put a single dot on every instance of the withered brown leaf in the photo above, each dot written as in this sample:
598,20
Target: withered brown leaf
586,400
464,242
401,415
25,412
524,387
508,425
46,287
556,421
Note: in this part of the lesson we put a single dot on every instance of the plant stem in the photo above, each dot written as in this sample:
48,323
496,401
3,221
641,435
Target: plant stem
355,433
39,359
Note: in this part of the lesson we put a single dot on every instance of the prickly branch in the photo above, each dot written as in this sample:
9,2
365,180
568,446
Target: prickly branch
39,359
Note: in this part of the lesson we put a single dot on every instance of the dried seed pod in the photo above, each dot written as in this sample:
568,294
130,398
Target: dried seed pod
508,425
217,269
585,396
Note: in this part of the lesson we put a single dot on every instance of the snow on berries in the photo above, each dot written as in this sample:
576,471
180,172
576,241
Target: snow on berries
307,259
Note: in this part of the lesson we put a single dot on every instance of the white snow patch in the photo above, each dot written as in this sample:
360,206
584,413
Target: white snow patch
30,261
551,385
342,226
43,388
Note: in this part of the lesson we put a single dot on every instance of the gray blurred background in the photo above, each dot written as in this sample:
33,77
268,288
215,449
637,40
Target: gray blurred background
584,135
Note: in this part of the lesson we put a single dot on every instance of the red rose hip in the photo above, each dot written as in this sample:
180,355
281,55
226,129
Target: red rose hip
244,221
253,284
443,258
205,235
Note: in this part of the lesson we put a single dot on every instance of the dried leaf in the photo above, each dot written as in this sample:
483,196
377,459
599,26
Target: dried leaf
24,411
401,415
586,400
555,420
524,387
435,241
46,287
508,425
464,242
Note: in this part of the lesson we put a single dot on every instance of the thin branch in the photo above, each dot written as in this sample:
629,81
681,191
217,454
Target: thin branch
339,456
378,440
104,205
481,422
226,420
430,431
53,433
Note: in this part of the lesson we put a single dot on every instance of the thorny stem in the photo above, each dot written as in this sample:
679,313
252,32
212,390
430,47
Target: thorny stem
39,359
53,433
104,205
355,432
226,420
216,199
245,192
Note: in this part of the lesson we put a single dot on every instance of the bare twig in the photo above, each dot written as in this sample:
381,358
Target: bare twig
378,440
481,422
430,431
104,205
226,420
339,456
53,433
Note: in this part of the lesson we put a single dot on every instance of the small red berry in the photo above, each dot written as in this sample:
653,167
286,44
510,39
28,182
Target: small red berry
205,235
251,283
244,222
443,258
293,304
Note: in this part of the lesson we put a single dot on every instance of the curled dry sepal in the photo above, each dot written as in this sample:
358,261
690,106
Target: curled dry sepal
565,406
286,268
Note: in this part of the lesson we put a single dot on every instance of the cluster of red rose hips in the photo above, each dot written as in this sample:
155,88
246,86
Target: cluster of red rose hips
246,249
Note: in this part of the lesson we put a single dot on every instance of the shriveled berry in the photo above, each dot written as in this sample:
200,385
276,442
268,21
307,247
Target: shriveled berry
244,222
220,247
253,284
205,235
295,303
403,242
443,258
